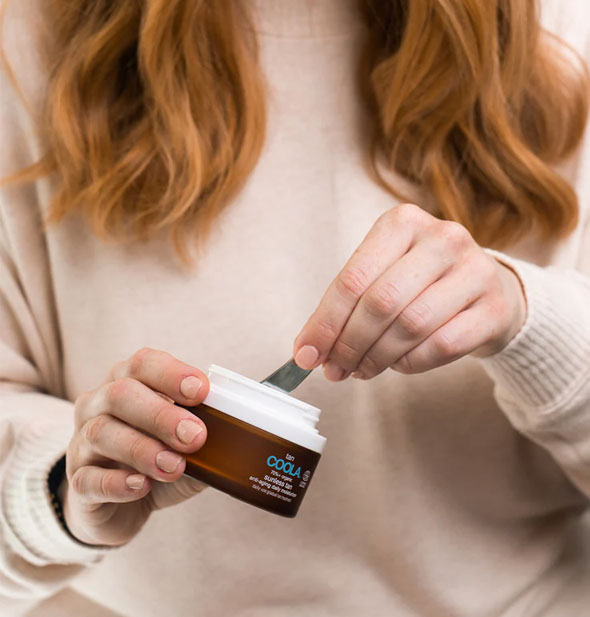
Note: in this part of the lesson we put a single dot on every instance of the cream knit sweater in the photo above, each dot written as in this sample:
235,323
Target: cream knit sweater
456,493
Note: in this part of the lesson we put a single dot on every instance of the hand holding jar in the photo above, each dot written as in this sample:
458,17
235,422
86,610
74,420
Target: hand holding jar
125,458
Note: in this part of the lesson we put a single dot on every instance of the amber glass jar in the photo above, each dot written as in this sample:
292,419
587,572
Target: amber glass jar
262,445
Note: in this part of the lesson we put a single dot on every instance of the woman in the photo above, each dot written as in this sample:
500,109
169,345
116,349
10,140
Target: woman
455,390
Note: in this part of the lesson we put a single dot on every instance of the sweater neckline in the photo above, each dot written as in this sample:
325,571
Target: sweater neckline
306,18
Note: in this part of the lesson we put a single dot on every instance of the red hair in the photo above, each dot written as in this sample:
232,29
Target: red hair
155,112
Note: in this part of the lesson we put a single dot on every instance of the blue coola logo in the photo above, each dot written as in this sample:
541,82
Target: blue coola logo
282,465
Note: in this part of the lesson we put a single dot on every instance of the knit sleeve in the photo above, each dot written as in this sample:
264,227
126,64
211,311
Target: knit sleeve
37,557
542,377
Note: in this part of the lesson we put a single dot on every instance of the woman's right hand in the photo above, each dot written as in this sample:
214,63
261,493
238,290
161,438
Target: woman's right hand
123,461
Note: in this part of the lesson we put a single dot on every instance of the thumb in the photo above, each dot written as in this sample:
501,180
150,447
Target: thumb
164,495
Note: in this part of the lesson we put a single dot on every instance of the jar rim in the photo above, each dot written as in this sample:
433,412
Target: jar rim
256,386
265,407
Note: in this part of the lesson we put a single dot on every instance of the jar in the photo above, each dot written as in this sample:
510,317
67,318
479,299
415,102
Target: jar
262,444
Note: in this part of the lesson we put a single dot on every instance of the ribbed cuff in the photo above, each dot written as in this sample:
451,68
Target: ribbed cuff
33,528
543,368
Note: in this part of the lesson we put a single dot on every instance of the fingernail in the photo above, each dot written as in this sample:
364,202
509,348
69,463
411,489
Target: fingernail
357,375
190,386
187,430
307,357
135,481
168,461
333,372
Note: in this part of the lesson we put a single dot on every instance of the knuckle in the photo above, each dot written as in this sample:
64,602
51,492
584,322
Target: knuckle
137,451
414,319
118,370
446,346
117,391
352,281
93,429
368,366
160,418
344,351
327,331
382,300
408,214
454,234
78,482
106,484
498,308
388,218
137,361
404,365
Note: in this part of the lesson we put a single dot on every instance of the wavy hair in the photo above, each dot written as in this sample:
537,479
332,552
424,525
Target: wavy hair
477,103
155,112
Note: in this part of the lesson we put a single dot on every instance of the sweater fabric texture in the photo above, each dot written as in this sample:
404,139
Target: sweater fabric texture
460,492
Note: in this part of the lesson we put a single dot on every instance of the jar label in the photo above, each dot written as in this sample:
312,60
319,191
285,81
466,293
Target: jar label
250,463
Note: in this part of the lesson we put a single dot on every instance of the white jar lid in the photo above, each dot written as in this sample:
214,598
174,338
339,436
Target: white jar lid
265,407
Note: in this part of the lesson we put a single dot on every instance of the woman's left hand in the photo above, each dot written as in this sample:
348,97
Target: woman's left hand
416,294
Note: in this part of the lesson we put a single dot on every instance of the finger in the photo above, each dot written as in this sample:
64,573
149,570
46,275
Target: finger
184,488
434,307
95,485
139,406
384,301
162,372
390,237
465,333
108,437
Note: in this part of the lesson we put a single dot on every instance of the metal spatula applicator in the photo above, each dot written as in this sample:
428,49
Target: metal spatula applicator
287,377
